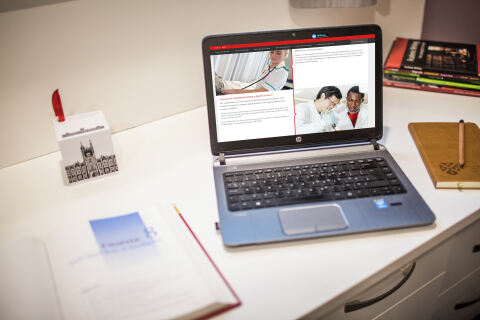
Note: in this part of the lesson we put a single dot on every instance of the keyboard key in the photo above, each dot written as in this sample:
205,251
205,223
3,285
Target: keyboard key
246,204
269,203
326,188
278,194
339,195
355,173
394,182
368,166
376,184
350,194
233,198
362,193
268,195
232,185
232,192
377,191
287,201
349,186
390,175
257,196
245,197
235,206
258,204
247,190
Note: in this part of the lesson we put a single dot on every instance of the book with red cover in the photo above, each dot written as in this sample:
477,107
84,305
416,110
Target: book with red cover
439,58
432,88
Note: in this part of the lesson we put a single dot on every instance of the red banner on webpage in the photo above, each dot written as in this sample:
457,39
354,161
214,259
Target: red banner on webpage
289,42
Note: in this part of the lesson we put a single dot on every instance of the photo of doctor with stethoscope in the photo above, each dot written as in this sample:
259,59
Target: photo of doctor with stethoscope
251,72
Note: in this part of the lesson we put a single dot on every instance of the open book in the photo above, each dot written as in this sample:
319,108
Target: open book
141,265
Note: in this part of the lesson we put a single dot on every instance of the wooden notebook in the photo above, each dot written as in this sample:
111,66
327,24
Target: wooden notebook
437,143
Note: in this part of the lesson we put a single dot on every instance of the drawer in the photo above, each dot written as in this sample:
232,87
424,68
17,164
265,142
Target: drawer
461,301
465,255
418,305
396,287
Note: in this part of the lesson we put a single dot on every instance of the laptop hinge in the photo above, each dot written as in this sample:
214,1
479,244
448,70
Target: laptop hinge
222,159
375,144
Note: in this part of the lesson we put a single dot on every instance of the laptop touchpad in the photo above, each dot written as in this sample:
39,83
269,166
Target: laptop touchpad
310,219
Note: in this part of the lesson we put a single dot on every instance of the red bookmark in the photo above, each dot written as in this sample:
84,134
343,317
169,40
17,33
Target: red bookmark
57,106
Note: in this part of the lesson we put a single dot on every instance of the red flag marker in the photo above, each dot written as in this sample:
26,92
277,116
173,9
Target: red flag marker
57,106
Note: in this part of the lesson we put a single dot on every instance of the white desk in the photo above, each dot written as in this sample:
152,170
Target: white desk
278,281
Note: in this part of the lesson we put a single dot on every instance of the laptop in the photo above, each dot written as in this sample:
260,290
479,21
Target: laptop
294,119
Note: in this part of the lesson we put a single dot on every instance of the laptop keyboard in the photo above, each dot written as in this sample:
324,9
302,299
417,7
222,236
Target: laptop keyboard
278,186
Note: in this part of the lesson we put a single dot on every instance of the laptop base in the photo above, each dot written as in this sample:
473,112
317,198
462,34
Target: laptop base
320,219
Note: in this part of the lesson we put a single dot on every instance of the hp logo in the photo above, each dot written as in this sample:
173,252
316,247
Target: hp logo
298,139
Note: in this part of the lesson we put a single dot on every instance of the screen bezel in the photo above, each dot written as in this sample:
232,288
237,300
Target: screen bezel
306,140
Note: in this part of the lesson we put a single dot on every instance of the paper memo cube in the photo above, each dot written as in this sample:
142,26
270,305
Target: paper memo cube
86,146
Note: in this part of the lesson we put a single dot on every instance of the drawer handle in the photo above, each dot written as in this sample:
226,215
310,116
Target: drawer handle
462,305
476,248
356,305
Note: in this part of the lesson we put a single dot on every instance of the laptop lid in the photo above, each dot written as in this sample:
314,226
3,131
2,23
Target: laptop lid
263,88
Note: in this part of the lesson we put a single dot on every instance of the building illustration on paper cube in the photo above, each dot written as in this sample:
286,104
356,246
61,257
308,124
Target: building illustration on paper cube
91,166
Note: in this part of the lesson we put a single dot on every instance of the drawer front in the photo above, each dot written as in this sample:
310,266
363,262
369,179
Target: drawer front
461,301
419,305
428,267
465,256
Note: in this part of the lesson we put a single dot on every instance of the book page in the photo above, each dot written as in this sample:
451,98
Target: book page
26,283
200,259
125,267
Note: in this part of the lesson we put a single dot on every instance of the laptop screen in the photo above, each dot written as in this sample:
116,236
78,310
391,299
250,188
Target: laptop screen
313,83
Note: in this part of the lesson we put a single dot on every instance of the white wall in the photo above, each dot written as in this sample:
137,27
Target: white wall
139,60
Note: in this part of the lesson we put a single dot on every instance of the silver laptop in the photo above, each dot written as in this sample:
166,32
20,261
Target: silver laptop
294,119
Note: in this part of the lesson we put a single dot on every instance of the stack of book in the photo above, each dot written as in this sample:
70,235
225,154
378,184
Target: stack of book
433,66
